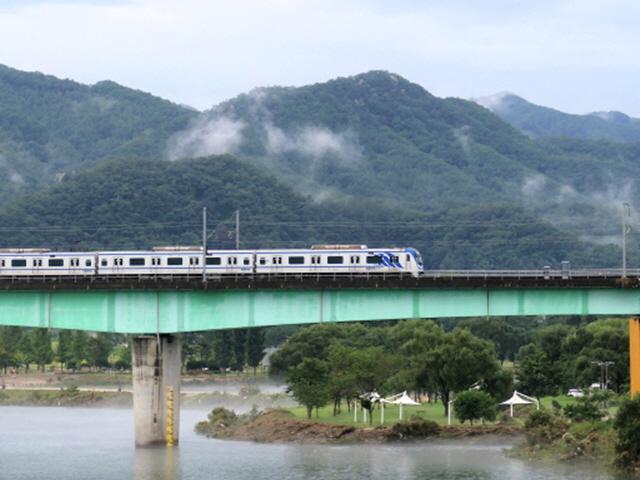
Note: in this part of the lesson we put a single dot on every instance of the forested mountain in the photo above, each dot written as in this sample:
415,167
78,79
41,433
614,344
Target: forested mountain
371,159
138,203
538,121
379,136
49,127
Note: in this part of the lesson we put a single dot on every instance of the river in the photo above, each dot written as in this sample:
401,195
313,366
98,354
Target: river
83,443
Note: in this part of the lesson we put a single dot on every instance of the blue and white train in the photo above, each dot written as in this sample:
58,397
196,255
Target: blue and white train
167,261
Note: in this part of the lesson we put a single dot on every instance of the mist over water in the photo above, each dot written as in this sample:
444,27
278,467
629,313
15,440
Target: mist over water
85,443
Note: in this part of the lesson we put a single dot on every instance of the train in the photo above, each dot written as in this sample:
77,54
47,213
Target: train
191,261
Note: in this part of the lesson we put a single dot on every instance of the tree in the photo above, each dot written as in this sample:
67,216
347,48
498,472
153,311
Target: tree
78,349
98,349
239,348
255,347
65,338
309,383
41,347
10,339
535,373
506,338
475,405
627,425
457,362
223,349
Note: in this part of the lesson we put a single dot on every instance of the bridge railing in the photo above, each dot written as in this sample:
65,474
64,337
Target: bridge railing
537,273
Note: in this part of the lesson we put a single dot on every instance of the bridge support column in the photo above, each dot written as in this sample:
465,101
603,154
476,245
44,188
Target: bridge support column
156,371
634,355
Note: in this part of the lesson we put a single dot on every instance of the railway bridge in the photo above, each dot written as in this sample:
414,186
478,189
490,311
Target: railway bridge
156,309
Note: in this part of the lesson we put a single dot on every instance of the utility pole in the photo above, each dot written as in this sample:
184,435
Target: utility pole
626,213
604,372
237,229
204,244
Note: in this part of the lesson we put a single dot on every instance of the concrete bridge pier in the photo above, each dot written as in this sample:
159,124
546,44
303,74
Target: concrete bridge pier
156,389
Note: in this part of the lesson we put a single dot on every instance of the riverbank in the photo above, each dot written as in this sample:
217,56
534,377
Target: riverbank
113,398
282,426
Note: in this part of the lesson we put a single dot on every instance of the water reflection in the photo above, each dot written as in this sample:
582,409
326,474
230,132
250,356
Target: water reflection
69,443
156,463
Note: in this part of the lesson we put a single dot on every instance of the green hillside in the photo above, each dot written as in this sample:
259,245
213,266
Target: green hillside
139,203
381,137
49,127
537,121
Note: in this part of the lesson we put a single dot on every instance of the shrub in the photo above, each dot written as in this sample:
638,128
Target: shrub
583,410
475,405
416,427
627,426
544,427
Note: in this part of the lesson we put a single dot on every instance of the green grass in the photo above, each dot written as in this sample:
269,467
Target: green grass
428,411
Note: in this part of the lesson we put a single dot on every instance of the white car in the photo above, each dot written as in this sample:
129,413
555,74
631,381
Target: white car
575,393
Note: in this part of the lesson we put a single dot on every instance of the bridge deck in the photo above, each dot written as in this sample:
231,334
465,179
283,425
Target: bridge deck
430,279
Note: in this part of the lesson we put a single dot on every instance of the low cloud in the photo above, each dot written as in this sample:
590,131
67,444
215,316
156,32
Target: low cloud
12,175
207,136
534,185
314,142
462,136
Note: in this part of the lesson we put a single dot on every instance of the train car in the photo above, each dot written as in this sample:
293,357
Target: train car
339,259
167,261
230,262
23,262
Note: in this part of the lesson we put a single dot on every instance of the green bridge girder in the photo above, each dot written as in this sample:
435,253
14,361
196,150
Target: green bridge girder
163,311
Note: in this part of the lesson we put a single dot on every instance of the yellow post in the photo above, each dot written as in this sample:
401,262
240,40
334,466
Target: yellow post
634,355
170,416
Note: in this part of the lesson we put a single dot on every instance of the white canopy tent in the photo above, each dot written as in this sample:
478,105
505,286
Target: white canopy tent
397,399
520,399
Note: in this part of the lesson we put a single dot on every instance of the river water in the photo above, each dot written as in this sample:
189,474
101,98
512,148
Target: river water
83,443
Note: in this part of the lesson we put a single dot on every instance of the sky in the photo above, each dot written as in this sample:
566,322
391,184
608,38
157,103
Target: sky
577,56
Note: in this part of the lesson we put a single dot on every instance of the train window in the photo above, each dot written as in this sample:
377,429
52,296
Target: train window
136,262
277,260
174,261
214,260
263,261
75,262
246,261
296,260
103,262
158,261
194,261
374,260
87,263
1,263
37,262
315,259
408,257
18,262
232,260
394,259
56,262
355,259
334,260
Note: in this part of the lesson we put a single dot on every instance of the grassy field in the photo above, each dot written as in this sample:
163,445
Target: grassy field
428,411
